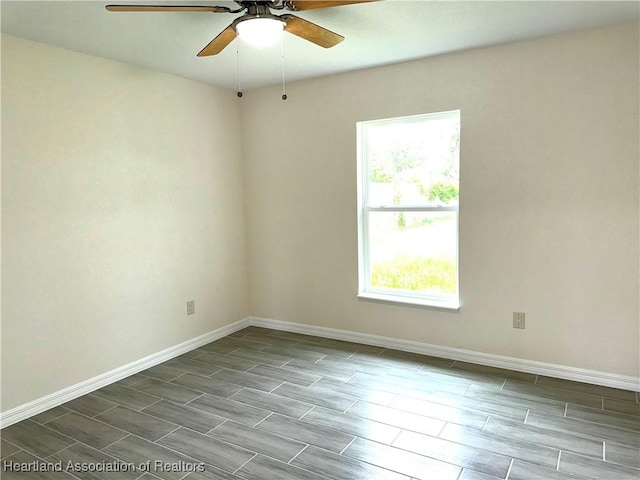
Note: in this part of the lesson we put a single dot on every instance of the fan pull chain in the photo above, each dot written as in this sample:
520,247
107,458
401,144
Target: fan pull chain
238,64
284,88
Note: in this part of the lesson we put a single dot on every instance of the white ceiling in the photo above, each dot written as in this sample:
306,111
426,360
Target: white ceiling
379,33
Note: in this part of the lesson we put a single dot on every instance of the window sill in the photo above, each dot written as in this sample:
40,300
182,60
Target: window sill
411,301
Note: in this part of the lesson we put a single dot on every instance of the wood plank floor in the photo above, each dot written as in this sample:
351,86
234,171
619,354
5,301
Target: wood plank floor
270,405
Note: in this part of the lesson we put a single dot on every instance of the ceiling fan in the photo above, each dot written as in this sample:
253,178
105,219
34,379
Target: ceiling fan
258,20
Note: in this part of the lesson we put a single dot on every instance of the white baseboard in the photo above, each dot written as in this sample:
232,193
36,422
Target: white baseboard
42,404
521,365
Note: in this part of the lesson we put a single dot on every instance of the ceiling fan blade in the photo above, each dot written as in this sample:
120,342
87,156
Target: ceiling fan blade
311,32
166,8
300,5
218,44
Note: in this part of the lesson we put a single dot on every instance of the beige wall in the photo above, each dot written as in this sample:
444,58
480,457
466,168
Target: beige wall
122,198
549,198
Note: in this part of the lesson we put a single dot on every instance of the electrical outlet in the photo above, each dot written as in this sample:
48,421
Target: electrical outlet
191,307
518,320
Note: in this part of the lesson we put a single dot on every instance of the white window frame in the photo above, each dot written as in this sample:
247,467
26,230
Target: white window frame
365,290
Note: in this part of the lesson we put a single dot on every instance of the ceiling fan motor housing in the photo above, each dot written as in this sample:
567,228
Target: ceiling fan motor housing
257,10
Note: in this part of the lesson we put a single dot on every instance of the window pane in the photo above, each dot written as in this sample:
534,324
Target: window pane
415,251
414,161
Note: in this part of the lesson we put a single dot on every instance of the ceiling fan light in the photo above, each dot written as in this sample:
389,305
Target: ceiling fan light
260,32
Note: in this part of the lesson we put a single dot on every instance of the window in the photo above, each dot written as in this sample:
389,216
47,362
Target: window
408,189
